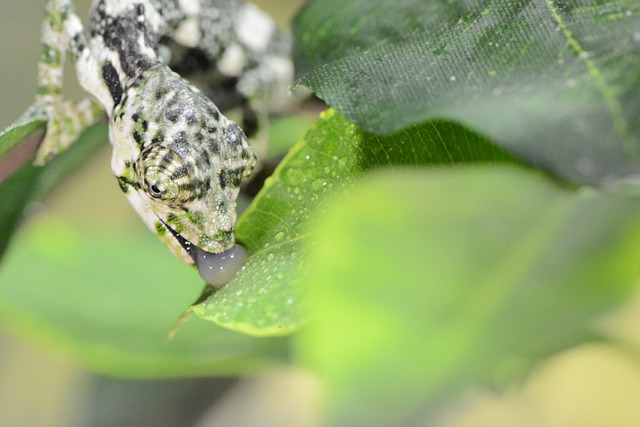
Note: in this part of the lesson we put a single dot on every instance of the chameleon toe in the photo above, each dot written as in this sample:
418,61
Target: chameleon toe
218,269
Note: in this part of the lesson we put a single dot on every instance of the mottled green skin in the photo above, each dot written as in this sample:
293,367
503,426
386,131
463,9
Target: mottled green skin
182,160
177,158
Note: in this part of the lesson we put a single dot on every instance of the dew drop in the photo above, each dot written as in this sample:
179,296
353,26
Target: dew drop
317,184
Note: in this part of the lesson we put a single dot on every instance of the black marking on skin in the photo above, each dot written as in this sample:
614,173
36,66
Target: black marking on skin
225,236
233,135
125,183
79,45
195,218
137,137
161,229
174,219
204,156
231,177
180,137
187,245
160,93
222,207
158,138
140,22
189,117
112,80
215,147
213,112
167,159
199,188
121,34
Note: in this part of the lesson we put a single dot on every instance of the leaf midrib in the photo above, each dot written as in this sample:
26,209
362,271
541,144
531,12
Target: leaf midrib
620,125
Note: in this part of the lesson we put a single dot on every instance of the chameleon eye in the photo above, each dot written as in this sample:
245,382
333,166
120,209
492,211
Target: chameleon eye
155,191
164,175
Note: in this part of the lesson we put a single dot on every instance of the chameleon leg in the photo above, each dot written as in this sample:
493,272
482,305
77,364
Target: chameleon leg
62,33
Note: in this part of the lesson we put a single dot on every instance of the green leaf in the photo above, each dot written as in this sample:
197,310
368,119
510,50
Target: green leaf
23,127
266,298
59,287
425,282
31,183
557,83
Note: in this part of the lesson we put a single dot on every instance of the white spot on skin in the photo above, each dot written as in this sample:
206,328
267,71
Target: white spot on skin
233,61
254,27
188,33
190,7
117,7
73,25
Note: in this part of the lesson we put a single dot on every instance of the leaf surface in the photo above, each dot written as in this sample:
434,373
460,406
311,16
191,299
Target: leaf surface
266,298
59,287
488,270
557,83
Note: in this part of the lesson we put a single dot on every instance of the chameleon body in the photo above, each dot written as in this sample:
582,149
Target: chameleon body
179,160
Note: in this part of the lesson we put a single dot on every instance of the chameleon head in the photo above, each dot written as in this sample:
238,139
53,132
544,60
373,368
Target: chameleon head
181,162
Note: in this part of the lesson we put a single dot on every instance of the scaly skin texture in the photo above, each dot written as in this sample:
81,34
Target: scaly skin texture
177,158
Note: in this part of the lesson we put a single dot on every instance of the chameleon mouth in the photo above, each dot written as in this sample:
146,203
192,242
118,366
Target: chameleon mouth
217,269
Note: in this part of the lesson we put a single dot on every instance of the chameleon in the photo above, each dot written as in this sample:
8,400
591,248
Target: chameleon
177,158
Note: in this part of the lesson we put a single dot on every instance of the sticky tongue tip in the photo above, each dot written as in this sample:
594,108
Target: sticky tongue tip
218,269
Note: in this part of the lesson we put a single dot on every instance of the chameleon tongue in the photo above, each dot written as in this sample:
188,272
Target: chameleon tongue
218,269
215,268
